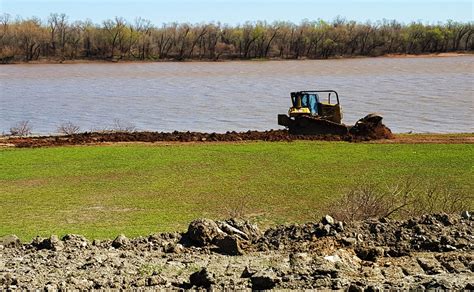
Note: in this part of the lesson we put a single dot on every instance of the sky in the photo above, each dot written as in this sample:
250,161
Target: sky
236,12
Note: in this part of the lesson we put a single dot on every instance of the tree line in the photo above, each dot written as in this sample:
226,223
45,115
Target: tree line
118,39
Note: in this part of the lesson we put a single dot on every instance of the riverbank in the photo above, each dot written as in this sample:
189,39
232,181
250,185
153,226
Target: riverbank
107,138
98,61
427,252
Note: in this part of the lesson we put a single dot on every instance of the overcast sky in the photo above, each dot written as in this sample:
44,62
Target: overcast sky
235,12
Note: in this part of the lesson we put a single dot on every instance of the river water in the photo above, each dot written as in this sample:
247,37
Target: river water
432,94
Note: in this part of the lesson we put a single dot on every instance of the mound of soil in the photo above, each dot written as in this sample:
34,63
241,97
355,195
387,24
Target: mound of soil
110,137
427,252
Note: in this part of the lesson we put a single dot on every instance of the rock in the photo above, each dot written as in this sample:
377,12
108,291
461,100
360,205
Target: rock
327,229
384,220
301,263
430,265
333,258
340,226
8,280
248,272
264,280
231,230
55,243
353,287
469,287
445,219
466,215
10,241
120,241
438,284
202,231
373,288
178,248
251,230
349,241
155,280
174,248
369,253
328,220
228,245
51,243
202,278
75,240
325,266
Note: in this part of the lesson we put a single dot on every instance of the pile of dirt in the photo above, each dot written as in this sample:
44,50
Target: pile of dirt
369,128
380,132
427,252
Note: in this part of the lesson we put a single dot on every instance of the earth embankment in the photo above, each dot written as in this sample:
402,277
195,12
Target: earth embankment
428,252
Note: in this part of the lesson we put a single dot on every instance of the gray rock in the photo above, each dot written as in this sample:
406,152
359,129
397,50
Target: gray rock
466,215
349,241
55,243
202,278
174,248
248,272
373,288
155,280
264,280
231,230
10,241
430,265
327,229
51,243
355,288
251,230
8,280
120,241
328,220
228,245
75,240
340,226
369,253
202,231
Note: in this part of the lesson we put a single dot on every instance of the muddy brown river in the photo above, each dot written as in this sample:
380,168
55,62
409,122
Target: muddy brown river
432,94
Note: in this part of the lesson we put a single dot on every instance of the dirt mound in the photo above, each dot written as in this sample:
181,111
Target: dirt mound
370,127
427,252
111,137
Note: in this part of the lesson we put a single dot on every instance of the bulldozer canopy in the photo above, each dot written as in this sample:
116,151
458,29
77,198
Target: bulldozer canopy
309,100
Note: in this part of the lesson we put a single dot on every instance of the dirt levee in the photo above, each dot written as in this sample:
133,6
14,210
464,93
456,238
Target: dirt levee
365,134
427,252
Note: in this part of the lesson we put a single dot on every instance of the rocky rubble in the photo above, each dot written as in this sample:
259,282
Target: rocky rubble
427,252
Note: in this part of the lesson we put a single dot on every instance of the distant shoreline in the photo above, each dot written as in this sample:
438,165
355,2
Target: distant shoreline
99,61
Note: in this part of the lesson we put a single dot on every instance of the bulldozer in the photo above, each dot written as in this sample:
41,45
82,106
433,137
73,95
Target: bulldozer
313,114
319,112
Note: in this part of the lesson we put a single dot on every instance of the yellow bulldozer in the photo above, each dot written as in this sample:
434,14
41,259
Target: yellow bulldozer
319,112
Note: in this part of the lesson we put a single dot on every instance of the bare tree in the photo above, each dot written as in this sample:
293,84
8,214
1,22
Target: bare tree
22,128
123,126
68,128
114,39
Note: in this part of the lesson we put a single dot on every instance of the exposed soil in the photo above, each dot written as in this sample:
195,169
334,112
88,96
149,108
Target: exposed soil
95,137
429,139
427,252
364,130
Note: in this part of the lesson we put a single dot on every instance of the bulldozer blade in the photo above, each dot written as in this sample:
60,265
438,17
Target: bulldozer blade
284,120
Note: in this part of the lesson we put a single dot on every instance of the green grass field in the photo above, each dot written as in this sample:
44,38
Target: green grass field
137,189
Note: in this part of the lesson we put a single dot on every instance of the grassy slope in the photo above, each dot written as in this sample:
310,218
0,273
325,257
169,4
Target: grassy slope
100,191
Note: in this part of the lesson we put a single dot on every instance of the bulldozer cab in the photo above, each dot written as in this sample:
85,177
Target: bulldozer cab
320,103
305,100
